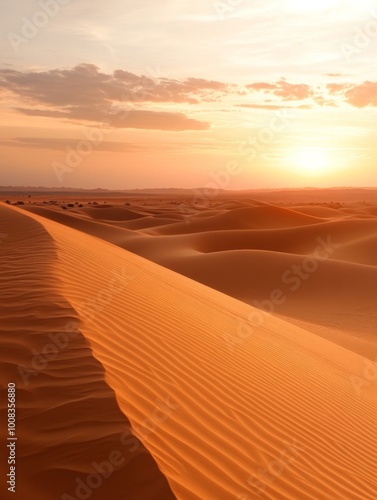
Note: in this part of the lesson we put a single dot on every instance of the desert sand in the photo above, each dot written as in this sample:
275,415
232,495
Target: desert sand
67,415
248,249
164,357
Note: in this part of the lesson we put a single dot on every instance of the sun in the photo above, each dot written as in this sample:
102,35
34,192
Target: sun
311,161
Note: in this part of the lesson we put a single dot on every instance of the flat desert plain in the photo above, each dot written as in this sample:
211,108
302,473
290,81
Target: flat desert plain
164,348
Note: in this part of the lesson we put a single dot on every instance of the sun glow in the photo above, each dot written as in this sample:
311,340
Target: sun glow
311,161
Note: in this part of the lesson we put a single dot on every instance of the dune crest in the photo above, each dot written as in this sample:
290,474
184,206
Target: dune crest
68,423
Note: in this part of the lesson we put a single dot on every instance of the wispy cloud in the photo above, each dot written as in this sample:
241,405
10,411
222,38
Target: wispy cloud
272,106
59,144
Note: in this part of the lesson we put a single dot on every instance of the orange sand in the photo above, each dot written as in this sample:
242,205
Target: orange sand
230,403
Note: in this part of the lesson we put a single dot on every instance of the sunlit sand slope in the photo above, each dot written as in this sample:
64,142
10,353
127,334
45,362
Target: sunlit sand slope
68,422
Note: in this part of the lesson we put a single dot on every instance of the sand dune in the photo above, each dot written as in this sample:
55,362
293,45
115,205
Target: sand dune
336,299
67,415
371,210
321,212
147,222
323,298
110,213
228,409
360,250
100,229
242,218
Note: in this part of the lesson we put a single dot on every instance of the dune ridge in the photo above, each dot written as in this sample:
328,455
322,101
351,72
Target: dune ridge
260,217
229,409
67,416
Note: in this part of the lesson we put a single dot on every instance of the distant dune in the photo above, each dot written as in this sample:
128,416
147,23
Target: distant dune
265,217
249,249
230,403
208,194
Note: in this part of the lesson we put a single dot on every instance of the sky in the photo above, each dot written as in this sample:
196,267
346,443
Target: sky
236,94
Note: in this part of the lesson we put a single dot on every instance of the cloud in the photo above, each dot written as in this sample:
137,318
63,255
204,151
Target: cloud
359,96
62,143
259,106
322,101
272,106
124,118
58,144
86,93
293,92
261,86
156,120
362,95
336,88
85,84
287,91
